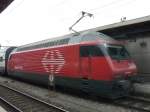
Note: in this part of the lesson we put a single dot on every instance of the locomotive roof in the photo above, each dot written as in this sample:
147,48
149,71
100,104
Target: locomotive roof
66,39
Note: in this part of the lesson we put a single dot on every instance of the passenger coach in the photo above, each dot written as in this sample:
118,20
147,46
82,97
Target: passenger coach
4,55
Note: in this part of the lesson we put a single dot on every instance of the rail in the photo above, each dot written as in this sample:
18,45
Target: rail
134,103
23,102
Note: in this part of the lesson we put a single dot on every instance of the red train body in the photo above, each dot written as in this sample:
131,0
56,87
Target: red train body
91,62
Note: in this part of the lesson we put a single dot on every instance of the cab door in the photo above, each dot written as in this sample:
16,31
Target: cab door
91,58
85,62
91,65
85,68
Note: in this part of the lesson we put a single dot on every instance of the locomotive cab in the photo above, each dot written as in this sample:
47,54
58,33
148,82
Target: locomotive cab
123,68
102,47
121,62
109,64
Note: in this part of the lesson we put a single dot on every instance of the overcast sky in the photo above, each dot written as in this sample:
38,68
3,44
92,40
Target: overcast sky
26,21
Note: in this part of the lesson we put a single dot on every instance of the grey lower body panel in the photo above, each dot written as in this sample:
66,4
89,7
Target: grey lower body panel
107,89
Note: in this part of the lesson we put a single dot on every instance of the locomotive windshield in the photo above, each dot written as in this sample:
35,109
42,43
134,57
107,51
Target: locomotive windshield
118,52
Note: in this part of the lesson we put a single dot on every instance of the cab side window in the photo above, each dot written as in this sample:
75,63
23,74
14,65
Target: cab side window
1,58
84,51
92,50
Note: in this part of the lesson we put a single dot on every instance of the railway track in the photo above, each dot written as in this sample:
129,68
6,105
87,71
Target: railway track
137,104
134,103
8,106
21,102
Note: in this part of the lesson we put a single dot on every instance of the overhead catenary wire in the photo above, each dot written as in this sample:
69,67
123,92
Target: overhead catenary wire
106,5
119,6
98,10
61,3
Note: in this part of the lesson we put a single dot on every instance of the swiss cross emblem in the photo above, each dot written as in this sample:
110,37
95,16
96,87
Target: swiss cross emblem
53,61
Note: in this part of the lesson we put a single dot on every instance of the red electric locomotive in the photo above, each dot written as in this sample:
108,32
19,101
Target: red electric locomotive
91,61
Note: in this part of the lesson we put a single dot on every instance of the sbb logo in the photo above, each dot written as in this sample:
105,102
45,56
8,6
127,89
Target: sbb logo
53,61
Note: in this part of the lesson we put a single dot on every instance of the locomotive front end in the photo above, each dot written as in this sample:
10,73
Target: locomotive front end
123,68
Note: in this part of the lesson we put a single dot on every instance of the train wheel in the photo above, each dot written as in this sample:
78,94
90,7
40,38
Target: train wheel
51,81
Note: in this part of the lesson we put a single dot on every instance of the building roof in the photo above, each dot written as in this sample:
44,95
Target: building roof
124,23
126,28
4,4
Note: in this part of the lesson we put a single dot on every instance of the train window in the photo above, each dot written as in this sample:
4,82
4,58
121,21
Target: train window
1,58
117,52
92,51
84,51
95,51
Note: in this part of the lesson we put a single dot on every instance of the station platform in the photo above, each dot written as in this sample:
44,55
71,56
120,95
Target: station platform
142,86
